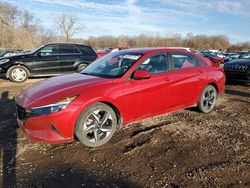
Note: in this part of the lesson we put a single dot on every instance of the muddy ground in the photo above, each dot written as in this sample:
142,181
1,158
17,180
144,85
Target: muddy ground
180,149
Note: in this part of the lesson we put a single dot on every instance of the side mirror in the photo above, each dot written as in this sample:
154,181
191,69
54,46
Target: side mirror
39,54
141,75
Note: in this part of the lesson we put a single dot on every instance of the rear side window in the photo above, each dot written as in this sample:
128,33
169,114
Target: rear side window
182,61
200,62
68,49
87,50
155,64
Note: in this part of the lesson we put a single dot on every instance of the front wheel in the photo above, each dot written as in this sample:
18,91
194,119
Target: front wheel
18,74
96,125
207,99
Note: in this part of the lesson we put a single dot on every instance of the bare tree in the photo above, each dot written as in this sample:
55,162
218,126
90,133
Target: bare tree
68,25
28,22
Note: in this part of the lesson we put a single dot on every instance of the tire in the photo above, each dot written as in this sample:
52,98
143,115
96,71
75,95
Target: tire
207,99
81,67
18,74
96,125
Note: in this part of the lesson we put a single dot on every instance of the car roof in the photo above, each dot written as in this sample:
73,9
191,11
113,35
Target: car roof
64,43
157,49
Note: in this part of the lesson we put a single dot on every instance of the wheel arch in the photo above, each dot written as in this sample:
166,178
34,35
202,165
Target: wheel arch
212,83
215,86
119,117
17,64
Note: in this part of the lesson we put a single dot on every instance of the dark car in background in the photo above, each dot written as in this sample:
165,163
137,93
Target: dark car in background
48,60
238,70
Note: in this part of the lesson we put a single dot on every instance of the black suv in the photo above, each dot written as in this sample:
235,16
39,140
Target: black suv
48,60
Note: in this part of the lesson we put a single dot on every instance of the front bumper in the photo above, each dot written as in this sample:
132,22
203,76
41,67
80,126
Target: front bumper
1,70
52,128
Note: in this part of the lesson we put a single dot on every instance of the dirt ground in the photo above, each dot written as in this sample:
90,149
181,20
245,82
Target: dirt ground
180,149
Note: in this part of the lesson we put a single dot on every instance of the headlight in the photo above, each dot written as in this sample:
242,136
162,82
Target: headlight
51,108
4,61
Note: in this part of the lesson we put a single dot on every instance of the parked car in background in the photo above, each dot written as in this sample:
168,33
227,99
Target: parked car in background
10,52
213,57
106,51
48,60
246,55
243,53
238,70
117,89
231,56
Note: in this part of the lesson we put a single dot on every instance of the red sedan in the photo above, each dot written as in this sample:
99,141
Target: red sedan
115,90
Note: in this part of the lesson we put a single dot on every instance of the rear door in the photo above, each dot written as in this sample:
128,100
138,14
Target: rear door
68,55
188,77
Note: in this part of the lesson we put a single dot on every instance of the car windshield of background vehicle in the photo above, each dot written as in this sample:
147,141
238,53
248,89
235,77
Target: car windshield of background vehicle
113,65
36,49
106,50
2,52
247,56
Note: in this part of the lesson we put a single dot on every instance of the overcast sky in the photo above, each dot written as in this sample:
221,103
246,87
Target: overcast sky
133,17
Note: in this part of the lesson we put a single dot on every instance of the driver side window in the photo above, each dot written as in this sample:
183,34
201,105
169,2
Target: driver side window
155,64
49,50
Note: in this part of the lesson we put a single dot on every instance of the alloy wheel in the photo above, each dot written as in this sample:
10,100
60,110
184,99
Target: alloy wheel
98,126
209,98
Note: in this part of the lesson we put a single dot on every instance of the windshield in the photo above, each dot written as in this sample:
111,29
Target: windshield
33,51
2,52
113,65
246,56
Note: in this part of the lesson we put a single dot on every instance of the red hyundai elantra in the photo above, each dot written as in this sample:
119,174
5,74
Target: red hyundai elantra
117,89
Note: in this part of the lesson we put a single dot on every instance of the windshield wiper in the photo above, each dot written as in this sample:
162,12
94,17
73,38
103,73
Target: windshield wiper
85,73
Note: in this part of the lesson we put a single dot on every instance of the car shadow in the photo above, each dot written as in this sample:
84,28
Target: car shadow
3,77
62,176
8,140
238,93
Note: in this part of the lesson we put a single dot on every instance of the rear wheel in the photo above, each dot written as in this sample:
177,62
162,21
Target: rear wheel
207,99
81,67
18,74
96,125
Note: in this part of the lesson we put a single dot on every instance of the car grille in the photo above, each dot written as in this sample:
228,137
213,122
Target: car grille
22,114
236,68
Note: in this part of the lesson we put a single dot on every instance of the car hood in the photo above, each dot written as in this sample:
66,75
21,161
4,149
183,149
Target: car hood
239,62
57,88
14,57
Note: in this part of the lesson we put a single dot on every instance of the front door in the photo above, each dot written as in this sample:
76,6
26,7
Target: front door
45,61
143,98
